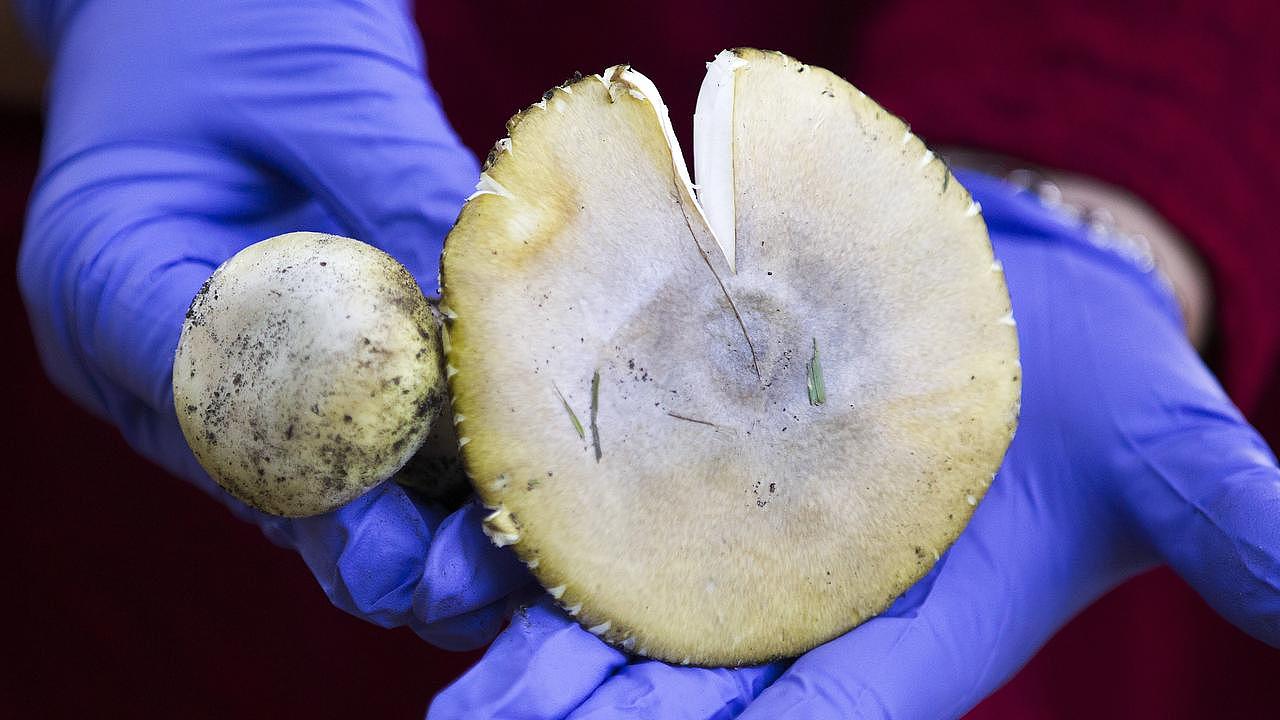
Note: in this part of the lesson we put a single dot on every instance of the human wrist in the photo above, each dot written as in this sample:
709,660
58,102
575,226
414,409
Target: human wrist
1119,220
1123,214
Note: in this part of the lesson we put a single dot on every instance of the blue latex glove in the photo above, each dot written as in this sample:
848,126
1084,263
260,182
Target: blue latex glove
1128,454
179,132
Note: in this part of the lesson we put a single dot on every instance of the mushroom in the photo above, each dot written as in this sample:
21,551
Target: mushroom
308,370
723,425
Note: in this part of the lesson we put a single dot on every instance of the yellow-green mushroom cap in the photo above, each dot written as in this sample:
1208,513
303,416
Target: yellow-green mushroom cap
726,425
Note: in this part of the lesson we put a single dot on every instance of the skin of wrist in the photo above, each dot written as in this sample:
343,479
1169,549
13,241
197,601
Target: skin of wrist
1126,214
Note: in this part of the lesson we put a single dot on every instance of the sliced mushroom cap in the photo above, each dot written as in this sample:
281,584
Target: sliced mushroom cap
308,370
728,427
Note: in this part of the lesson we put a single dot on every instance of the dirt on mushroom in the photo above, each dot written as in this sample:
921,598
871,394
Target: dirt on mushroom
309,369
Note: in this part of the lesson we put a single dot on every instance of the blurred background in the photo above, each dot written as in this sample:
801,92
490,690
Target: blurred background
131,594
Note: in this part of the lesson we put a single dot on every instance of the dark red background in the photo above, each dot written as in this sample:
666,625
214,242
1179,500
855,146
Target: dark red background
130,594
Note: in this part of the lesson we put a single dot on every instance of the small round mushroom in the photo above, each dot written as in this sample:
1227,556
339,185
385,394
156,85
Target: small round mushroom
308,371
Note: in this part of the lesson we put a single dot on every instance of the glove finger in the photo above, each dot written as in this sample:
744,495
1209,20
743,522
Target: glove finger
1007,584
540,668
395,561
1199,482
465,603
652,689
108,268
1211,510
365,133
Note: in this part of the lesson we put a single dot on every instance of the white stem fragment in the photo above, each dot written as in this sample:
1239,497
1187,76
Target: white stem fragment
713,151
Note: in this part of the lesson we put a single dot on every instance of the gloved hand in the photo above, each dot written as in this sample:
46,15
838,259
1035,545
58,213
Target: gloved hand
1128,454
179,132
